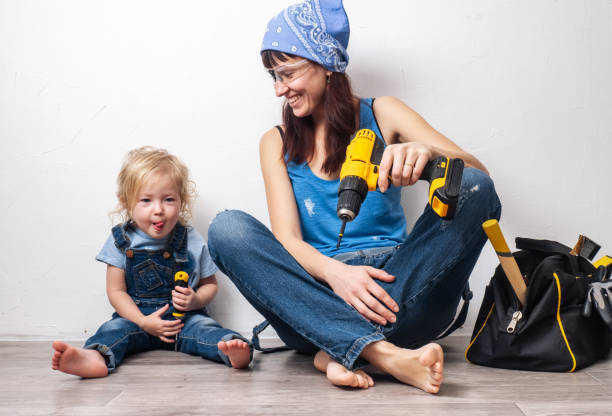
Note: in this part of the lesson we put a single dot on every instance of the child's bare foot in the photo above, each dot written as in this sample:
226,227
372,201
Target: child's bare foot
420,368
78,361
237,351
339,375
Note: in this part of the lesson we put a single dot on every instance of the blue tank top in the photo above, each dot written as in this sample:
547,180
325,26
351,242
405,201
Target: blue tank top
380,223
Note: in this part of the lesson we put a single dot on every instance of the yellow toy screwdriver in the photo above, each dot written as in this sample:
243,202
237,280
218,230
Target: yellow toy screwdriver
180,279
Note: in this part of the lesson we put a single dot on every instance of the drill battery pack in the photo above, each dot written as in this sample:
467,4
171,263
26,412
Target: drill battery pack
444,175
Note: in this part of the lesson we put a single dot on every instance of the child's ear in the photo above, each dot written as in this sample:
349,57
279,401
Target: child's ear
124,204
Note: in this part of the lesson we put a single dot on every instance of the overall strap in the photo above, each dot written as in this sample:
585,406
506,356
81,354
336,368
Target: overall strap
178,244
122,241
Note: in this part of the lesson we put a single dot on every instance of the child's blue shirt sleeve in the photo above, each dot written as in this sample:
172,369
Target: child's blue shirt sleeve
207,265
199,249
110,254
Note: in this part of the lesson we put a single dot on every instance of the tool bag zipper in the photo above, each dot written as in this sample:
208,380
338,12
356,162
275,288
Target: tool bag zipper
516,317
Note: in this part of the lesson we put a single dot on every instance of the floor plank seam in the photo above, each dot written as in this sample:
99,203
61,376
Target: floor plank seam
518,406
595,378
110,402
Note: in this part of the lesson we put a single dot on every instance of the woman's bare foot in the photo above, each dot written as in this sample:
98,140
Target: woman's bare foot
338,375
420,368
78,361
237,351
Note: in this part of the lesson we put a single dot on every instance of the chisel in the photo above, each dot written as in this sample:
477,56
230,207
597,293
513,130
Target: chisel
508,263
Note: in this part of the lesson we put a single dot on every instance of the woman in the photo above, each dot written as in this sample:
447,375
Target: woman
382,292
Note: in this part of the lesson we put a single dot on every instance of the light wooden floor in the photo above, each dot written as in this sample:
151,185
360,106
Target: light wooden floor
285,383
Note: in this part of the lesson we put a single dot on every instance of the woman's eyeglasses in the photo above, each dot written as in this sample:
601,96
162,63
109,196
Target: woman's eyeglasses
288,73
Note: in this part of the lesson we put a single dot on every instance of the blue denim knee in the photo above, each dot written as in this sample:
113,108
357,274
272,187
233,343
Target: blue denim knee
479,189
228,231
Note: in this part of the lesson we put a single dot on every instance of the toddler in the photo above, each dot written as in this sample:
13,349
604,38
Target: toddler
143,255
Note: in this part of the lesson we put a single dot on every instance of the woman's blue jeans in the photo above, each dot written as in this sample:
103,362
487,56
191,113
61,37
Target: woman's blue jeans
431,269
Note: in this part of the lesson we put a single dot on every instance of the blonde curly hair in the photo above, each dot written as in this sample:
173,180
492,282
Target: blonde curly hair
138,166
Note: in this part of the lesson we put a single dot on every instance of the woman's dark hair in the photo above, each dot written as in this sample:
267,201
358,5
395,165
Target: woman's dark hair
339,110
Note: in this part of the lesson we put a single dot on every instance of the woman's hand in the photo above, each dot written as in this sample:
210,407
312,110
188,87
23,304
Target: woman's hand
405,162
158,327
184,299
356,285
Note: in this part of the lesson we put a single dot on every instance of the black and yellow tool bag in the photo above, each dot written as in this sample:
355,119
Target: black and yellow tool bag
549,333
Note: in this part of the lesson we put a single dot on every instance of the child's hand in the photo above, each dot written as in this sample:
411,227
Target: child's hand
184,299
156,326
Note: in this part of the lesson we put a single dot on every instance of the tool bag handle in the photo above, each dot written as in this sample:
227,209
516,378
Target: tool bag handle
548,247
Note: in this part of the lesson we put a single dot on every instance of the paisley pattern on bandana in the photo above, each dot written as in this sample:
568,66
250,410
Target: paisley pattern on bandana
309,27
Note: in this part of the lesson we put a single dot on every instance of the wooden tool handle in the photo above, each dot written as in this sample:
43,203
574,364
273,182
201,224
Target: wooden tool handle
511,269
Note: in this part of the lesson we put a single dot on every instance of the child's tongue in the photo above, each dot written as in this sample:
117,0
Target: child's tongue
158,226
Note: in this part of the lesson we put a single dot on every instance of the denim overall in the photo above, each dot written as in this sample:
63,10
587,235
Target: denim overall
149,279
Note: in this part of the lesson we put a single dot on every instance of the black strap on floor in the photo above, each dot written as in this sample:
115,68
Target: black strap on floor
255,340
460,319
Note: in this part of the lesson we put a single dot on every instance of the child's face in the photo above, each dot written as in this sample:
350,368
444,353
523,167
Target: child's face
157,206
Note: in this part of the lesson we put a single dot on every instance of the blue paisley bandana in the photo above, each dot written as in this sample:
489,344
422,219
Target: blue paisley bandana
317,30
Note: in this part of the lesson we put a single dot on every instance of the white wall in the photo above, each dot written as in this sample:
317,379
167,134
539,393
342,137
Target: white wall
525,86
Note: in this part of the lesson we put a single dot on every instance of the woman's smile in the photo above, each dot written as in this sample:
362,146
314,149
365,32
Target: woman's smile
293,100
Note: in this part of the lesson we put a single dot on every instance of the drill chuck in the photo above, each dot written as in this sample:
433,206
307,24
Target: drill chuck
351,193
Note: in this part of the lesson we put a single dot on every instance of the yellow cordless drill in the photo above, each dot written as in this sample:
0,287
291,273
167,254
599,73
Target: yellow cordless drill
180,279
359,174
